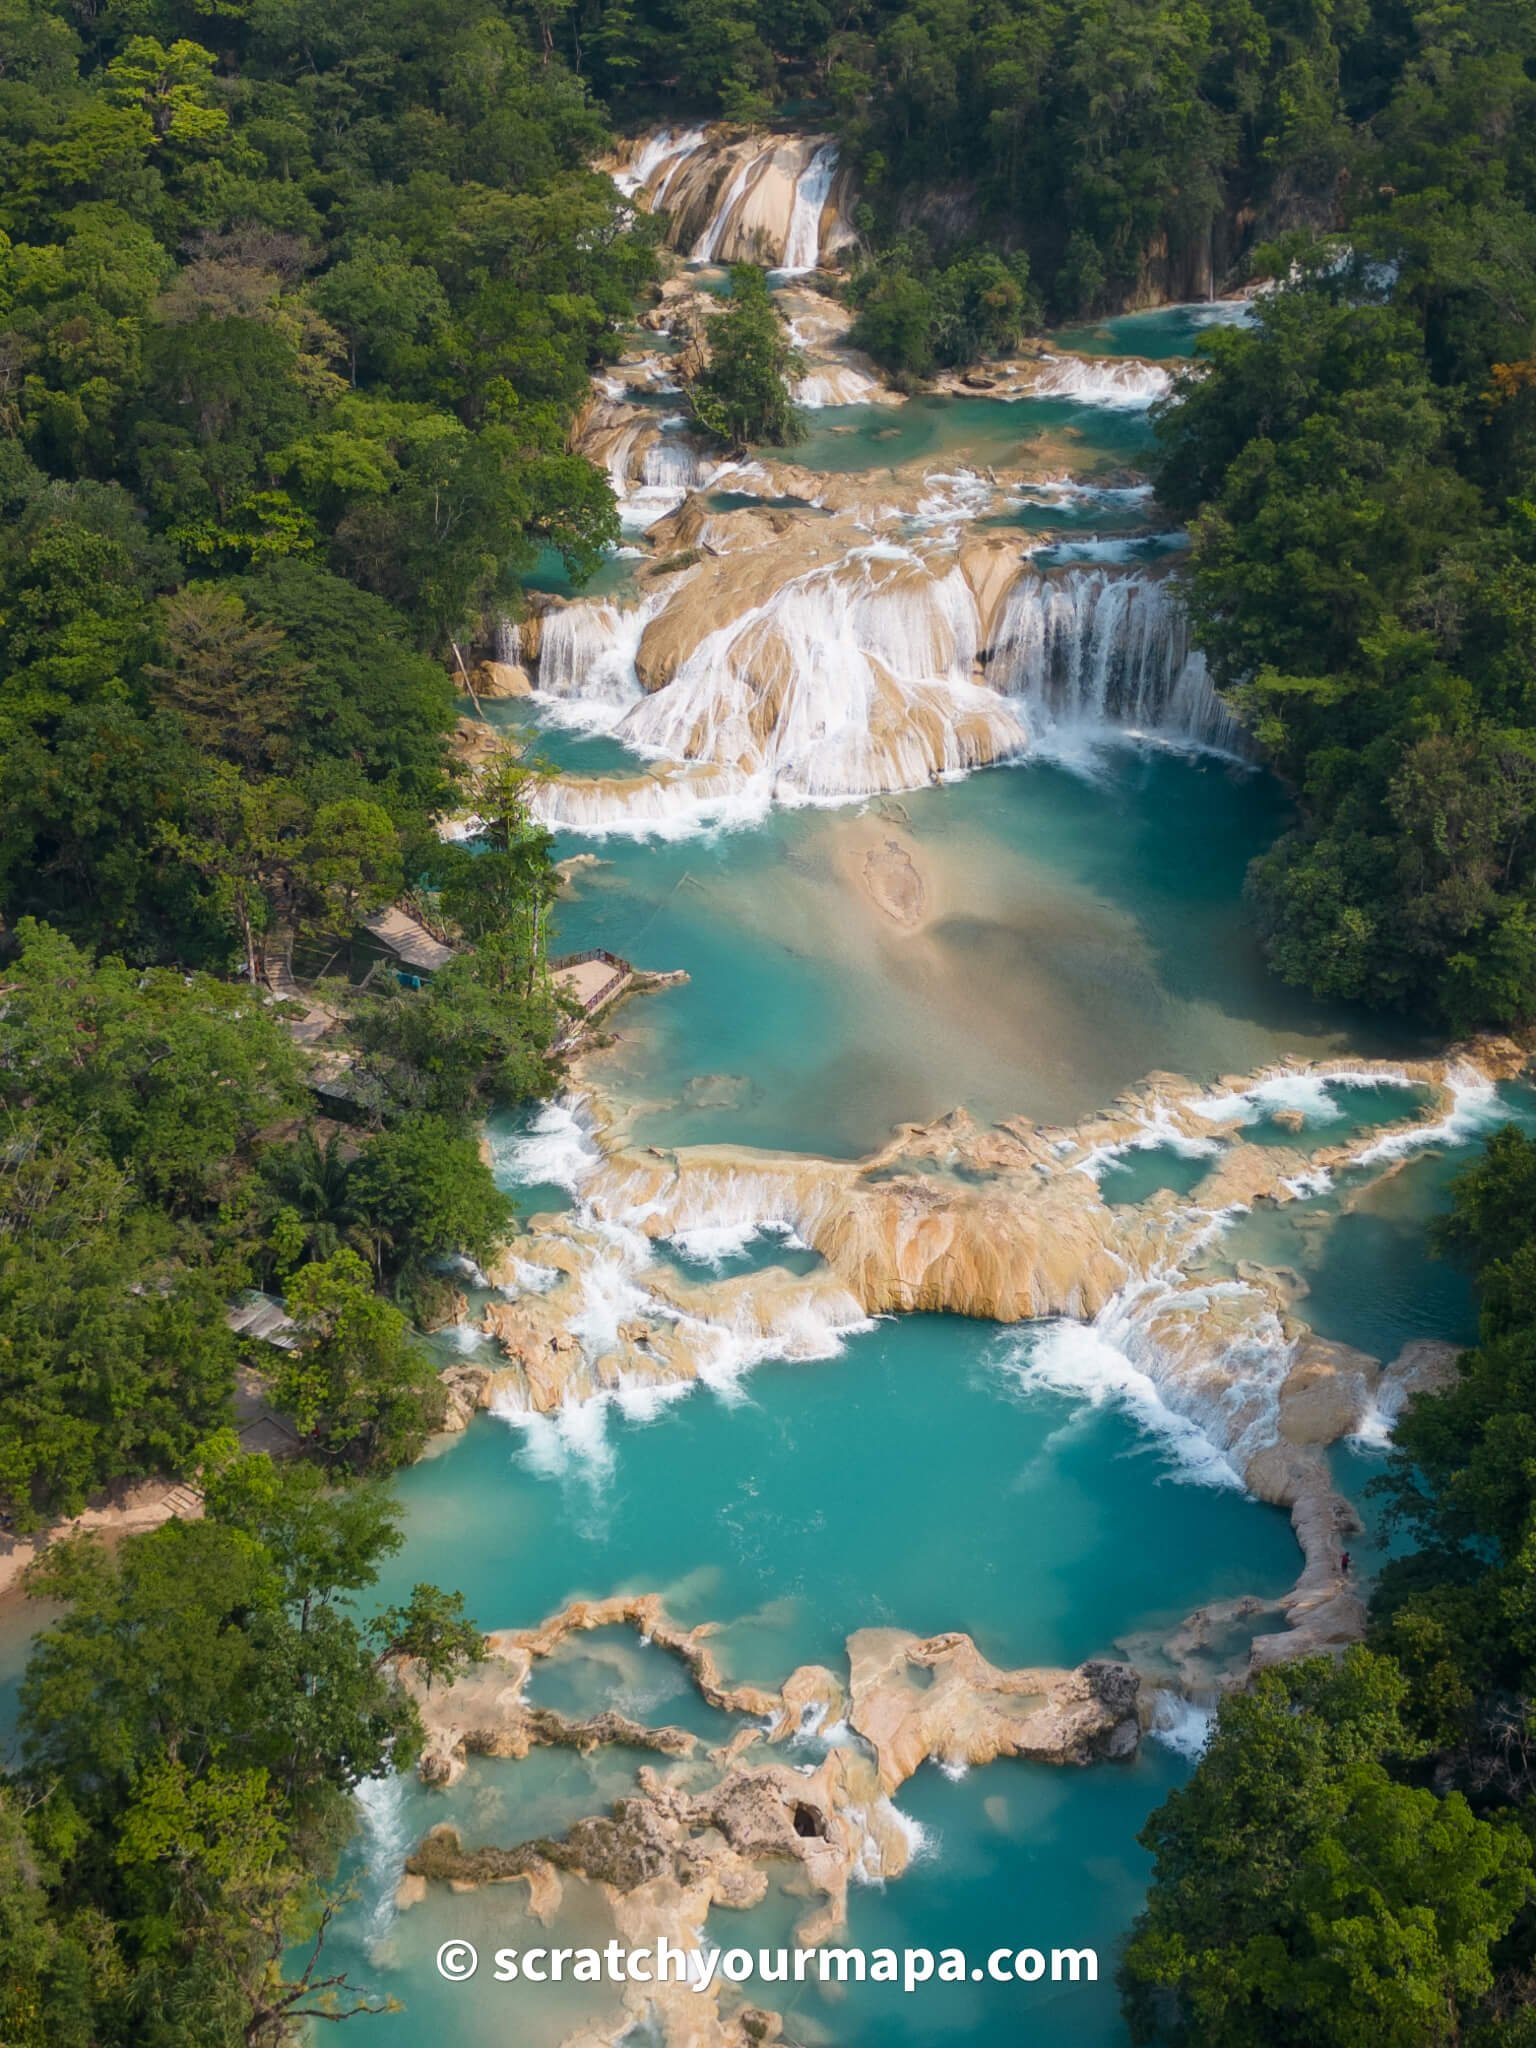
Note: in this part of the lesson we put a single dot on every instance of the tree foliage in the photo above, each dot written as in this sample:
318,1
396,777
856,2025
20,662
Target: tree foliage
193,1728
744,394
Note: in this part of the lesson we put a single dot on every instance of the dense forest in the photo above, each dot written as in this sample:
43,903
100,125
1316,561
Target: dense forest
296,317
1121,144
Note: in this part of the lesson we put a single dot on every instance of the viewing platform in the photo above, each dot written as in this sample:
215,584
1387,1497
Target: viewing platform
595,979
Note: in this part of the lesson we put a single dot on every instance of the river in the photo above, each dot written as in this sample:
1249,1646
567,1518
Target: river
869,946
910,767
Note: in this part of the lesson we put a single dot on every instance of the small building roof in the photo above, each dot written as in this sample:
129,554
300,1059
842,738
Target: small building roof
408,939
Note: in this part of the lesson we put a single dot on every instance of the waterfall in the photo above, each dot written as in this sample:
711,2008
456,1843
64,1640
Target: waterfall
707,248
386,1841
844,682
620,457
1117,386
674,464
1197,1364
1092,652
666,152
802,247
861,678
587,659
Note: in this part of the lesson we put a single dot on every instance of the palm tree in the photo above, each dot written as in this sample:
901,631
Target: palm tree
313,1180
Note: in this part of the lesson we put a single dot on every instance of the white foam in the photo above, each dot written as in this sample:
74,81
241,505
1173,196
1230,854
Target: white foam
1181,1724
878,656
1158,1133
714,1243
555,1149
571,1438
1118,385
1305,1091
922,1842
1474,1105
1378,1419
464,1337
529,1278
1081,1360
386,1840
1220,312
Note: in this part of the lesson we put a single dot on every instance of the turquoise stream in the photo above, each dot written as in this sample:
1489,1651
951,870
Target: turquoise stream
1161,335
917,1481
1093,933
1090,932
1086,439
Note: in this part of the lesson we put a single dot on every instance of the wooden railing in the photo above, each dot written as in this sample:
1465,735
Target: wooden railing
621,973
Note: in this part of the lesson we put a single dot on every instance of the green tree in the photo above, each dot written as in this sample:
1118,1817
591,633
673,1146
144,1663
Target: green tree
381,302
1300,1896
115,1360
422,1192
351,860
193,1727
357,1384
171,1074
743,395
227,676
431,1630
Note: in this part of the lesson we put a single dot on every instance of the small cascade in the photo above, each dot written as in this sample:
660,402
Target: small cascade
620,456
386,1842
708,247
802,248
1127,386
508,641
651,468
845,682
660,159
831,383
1199,1365
587,659
1092,652
674,463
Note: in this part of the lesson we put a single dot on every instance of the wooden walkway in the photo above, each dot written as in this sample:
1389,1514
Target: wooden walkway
277,971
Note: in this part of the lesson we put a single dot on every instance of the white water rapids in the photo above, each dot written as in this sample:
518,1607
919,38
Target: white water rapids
867,676
760,198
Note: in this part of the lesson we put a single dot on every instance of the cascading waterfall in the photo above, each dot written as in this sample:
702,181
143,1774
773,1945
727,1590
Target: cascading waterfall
1091,652
587,659
664,152
675,464
508,641
707,248
650,472
620,459
1117,386
1198,1364
381,1810
802,248
840,684
863,678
